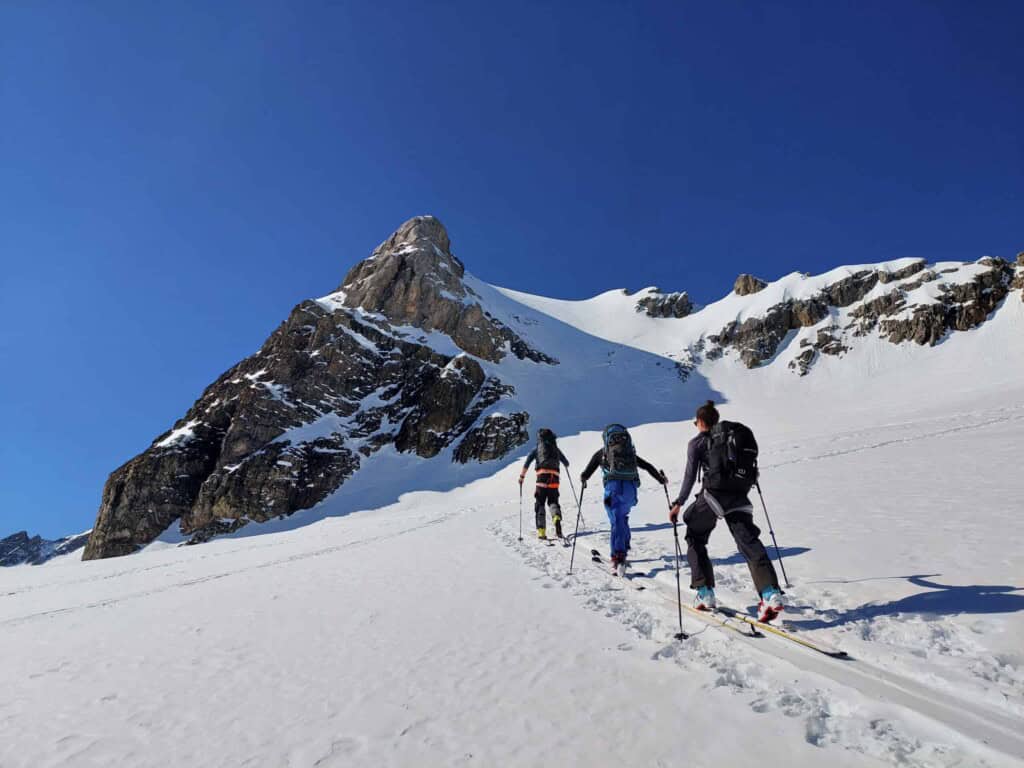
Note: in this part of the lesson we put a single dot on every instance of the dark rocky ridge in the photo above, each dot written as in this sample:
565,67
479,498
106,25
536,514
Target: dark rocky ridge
962,306
336,382
20,548
666,305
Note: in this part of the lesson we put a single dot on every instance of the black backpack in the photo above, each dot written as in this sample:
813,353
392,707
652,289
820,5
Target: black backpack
547,450
731,458
619,454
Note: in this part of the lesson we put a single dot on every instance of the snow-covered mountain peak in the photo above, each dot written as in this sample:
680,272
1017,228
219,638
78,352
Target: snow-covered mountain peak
416,374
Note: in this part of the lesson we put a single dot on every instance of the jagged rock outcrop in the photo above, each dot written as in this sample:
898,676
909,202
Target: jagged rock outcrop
665,305
413,279
747,284
496,437
826,343
959,307
902,274
757,338
340,379
962,305
20,548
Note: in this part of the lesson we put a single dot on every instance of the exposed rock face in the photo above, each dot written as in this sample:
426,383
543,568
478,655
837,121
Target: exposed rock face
666,305
413,279
340,379
963,305
20,548
747,284
757,338
826,343
902,274
493,439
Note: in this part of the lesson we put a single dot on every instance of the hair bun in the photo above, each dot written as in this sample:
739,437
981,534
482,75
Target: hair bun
711,403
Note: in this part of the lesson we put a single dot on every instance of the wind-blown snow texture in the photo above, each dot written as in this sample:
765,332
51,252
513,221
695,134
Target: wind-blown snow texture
422,632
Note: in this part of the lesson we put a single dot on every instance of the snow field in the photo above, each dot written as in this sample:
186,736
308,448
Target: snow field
424,633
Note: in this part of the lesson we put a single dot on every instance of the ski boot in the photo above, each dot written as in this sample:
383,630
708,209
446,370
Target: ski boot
770,605
558,527
618,564
705,600
542,534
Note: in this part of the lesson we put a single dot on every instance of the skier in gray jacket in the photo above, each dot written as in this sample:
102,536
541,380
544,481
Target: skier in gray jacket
702,516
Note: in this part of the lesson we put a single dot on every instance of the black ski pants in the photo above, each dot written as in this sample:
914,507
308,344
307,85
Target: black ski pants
700,520
542,497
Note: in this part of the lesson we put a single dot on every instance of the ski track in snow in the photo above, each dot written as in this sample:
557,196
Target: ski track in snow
829,717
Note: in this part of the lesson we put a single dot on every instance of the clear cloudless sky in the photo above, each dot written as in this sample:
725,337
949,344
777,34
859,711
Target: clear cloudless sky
174,177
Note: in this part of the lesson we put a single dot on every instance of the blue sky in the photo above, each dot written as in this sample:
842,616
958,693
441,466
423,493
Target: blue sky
175,177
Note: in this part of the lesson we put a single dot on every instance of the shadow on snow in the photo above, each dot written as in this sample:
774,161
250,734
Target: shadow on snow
938,600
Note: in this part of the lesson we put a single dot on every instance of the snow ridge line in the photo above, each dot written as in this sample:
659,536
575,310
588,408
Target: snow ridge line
971,721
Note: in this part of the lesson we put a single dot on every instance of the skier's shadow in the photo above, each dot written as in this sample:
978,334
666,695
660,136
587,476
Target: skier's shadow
737,558
668,562
938,600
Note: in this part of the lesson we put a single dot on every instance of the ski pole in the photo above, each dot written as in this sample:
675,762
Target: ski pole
680,635
778,554
520,509
579,514
579,501
679,590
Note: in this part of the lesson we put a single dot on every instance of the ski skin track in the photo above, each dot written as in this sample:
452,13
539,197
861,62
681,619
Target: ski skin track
970,720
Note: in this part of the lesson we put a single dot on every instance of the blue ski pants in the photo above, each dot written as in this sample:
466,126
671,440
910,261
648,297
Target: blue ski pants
619,499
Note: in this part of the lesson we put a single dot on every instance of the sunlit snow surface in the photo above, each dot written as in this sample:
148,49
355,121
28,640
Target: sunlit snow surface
425,633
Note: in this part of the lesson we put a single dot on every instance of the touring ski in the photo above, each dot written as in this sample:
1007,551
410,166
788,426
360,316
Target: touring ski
753,623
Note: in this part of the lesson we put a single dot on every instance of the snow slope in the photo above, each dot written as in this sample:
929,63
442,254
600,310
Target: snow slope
425,633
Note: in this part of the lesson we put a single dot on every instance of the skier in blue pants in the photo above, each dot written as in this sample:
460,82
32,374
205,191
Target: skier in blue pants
620,471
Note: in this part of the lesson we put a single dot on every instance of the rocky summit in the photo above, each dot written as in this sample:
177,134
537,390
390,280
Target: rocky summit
413,358
339,380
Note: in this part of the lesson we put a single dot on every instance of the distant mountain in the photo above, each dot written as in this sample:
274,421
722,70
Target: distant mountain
20,548
414,374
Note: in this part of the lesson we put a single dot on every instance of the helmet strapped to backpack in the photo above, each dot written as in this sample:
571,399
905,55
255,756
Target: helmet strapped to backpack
731,458
619,454
547,450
